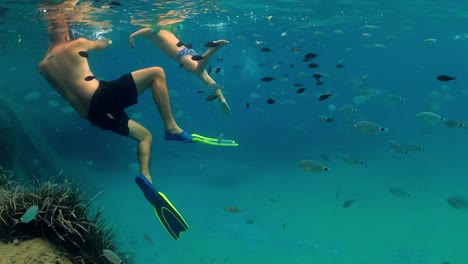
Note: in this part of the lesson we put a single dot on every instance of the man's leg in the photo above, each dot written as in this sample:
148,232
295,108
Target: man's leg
145,139
155,78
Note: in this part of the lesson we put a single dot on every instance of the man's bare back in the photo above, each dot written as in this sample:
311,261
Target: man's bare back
65,67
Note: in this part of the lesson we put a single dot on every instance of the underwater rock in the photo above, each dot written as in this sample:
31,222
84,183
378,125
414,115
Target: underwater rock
37,250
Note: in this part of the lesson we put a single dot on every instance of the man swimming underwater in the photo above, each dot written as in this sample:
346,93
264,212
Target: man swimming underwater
65,67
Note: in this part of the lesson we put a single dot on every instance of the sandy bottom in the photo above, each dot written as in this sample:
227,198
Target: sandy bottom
35,251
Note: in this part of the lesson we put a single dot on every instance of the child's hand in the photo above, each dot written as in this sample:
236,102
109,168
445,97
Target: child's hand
131,42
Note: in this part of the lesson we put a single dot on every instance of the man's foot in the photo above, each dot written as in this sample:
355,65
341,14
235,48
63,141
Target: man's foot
182,137
148,189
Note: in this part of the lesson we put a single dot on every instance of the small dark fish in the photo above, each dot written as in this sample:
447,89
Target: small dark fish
249,221
115,3
197,57
89,78
347,203
209,70
338,194
211,44
328,119
310,55
188,46
211,97
284,225
340,66
445,78
261,64
313,65
179,44
267,79
218,70
291,66
324,97
316,76
265,49
319,83
301,90
83,54
273,200
247,105
181,65
147,238
200,92
458,202
270,101
298,84
237,66
305,59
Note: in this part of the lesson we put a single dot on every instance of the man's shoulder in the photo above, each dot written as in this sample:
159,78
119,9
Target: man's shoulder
78,41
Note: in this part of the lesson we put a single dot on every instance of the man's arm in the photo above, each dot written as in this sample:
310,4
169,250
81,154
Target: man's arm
94,44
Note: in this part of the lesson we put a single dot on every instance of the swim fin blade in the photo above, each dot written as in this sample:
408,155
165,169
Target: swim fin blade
214,141
169,217
166,212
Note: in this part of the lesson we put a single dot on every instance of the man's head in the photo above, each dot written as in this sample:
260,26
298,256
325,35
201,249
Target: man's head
60,33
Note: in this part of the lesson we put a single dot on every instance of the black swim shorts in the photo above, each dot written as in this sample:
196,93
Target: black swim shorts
107,106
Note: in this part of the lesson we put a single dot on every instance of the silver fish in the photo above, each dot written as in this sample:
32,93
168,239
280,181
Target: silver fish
429,118
397,148
312,166
29,215
398,192
353,160
370,128
111,256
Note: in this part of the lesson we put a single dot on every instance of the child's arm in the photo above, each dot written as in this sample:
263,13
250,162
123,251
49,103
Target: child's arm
142,32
